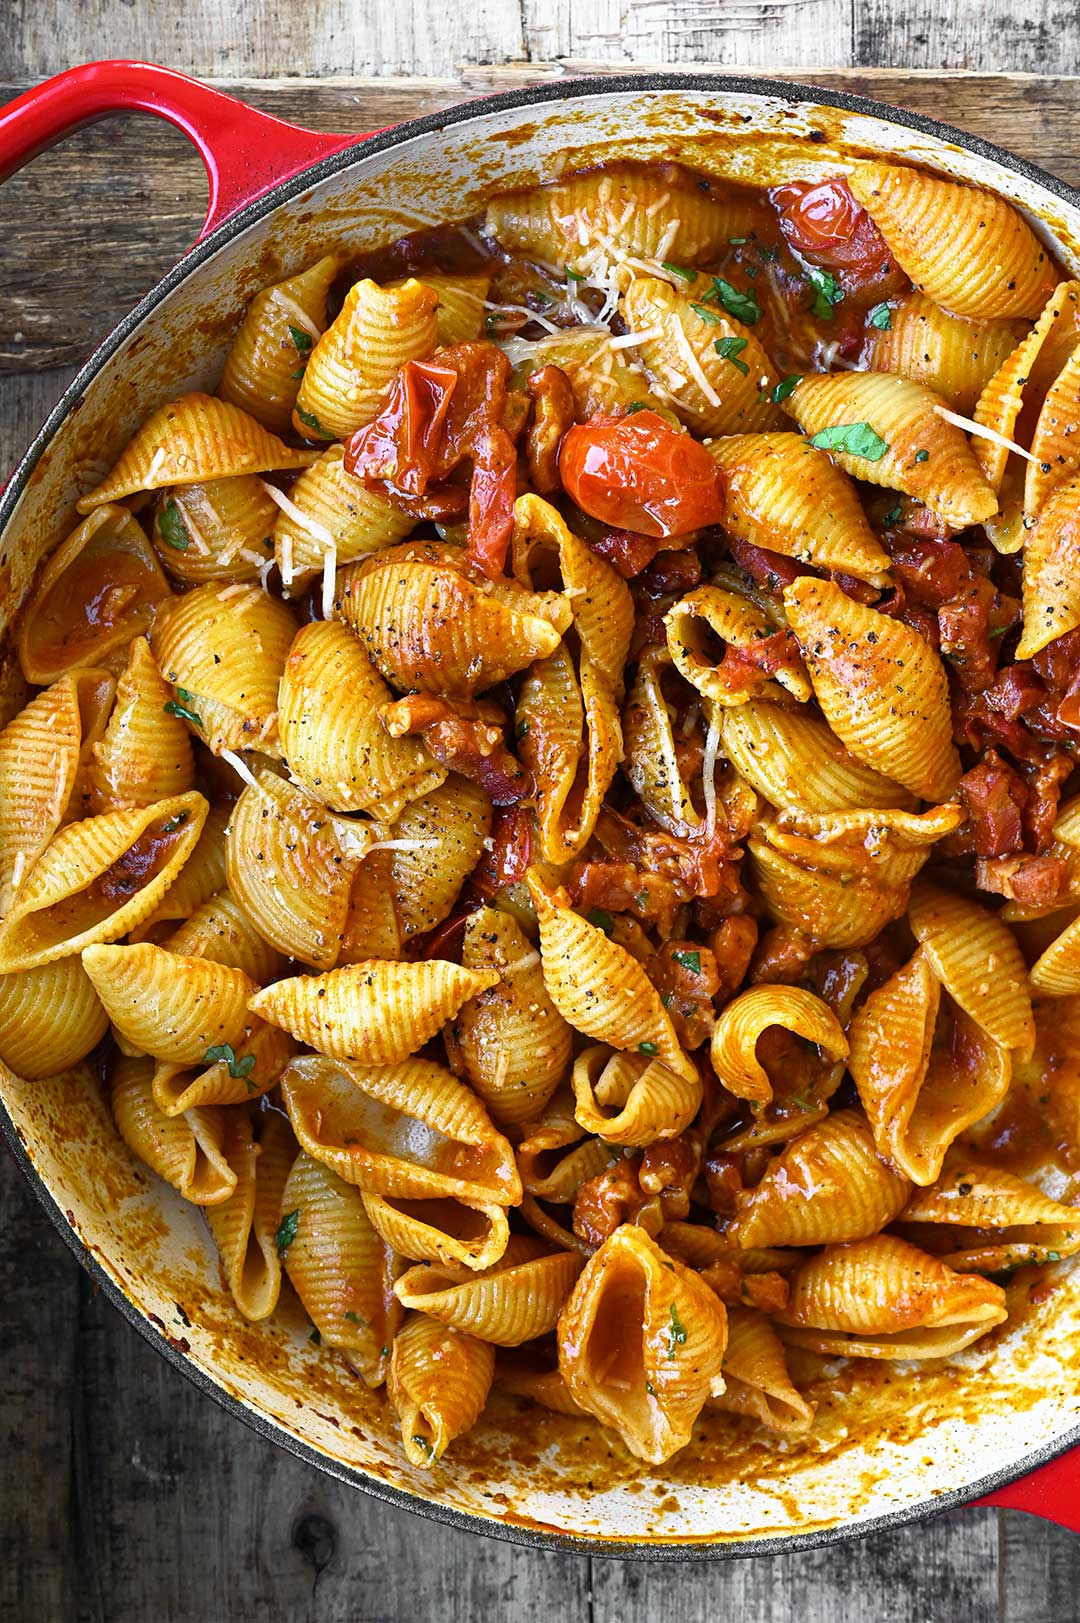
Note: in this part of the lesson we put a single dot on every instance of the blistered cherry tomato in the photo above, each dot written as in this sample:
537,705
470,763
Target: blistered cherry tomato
823,224
637,473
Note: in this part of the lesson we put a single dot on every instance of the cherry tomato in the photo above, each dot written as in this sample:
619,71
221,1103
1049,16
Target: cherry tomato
824,225
637,473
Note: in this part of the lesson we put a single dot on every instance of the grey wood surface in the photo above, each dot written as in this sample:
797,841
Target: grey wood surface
124,1494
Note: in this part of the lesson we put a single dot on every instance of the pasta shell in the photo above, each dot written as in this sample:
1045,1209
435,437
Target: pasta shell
1053,442
641,1342
188,441
102,586
328,513
515,1301
440,1230
731,620
571,741
597,986
259,1057
225,648
545,1171
188,1152
828,1185
244,1226
374,1013
604,381
340,1267
145,753
220,930
841,911
173,1008
99,879
1052,571
793,759
372,928
1056,971
438,1383
756,1379
331,736
631,1100
954,357
883,1298
291,868
678,347
576,221
219,530
349,369
899,725
781,493
733,1046
50,1019
521,1375
925,456
436,842
40,754
201,877
963,247
428,627
459,317
651,756
977,960
514,1044
410,1130
268,355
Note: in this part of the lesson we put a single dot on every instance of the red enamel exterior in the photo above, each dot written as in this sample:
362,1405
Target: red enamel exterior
246,153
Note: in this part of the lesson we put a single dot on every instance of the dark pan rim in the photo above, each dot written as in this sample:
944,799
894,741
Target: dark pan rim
250,214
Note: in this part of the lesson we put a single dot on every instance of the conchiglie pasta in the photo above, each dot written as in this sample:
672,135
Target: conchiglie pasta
268,355
220,930
641,1343
221,529
881,686
677,345
513,1043
329,513
223,1075
331,736
99,879
556,1155
571,741
956,358
842,910
733,621
438,1384
1052,571
340,1267
990,1220
781,493
427,627
793,759
605,382
828,1185
201,877
188,1151
374,1013
440,1230
436,843
1053,442
347,373
188,441
171,1007
1056,971
145,752
459,317
597,986
651,753
977,960
630,1099
372,927
244,1225
883,1298
739,1026
515,1301
50,1018
102,586
756,1379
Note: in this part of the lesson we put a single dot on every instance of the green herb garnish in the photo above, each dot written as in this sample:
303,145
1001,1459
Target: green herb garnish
309,420
602,919
678,270
827,292
689,960
315,1338
678,1332
174,823
893,514
922,456
238,1068
709,317
651,1049
786,386
857,439
354,1318
172,529
575,276
300,338
880,317
286,1231
729,349
743,306
637,405
172,708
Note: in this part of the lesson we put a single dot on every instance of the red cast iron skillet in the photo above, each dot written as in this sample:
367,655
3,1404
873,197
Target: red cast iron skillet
254,163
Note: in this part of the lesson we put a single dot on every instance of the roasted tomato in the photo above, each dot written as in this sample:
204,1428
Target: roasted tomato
825,226
638,473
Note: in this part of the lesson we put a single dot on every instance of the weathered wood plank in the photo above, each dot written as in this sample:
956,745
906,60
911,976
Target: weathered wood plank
90,226
1034,36
1040,1571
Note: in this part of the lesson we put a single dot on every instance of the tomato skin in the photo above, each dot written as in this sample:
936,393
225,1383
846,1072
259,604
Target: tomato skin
825,226
638,473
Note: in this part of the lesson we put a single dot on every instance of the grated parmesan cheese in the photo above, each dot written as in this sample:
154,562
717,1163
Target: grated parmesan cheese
981,432
697,371
628,339
303,521
329,581
237,588
240,766
155,464
708,774
18,867
529,961
403,845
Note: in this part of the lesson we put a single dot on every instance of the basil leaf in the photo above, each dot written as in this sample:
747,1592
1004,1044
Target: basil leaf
786,386
171,708
709,317
922,456
857,439
689,960
286,1231
729,349
678,270
171,527
881,317
743,306
893,514
651,1049
315,1338
309,420
575,276
602,919
678,1333
637,405
300,338
238,1068
827,292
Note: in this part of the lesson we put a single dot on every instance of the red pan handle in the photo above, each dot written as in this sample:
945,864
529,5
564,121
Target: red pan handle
246,152
1052,1492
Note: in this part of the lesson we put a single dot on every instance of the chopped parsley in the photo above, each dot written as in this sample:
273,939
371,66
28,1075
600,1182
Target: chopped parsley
893,514
637,405
315,1338
309,420
678,270
181,706
286,1231
238,1068
880,317
786,386
737,242
857,439
300,338
709,317
743,306
827,292
174,823
678,1333
922,456
689,960
602,919
354,1318
729,349
172,529
650,1049
575,276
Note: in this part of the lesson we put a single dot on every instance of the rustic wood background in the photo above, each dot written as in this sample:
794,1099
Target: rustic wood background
124,1494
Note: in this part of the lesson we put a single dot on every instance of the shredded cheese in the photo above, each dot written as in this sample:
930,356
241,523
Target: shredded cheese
303,521
697,371
240,766
403,845
288,573
237,588
671,231
17,869
155,464
329,581
628,339
530,960
981,432
708,774
300,317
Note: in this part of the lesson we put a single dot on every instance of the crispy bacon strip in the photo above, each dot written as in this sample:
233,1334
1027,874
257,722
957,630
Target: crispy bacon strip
466,737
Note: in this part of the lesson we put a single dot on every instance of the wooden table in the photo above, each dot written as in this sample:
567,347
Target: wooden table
124,1495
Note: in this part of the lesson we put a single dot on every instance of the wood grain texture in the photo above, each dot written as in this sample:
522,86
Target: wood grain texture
113,207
